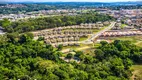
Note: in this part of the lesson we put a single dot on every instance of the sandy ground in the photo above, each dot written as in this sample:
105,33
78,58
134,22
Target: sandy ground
78,49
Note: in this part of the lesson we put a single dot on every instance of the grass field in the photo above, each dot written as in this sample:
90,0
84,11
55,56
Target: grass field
139,43
137,73
83,38
123,25
75,47
86,48
137,40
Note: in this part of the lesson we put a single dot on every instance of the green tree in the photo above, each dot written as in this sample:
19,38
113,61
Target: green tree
69,55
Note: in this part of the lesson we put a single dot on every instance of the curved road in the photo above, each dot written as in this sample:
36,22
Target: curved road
94,36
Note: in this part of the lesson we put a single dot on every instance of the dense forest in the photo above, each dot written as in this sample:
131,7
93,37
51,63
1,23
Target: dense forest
51,22
23,58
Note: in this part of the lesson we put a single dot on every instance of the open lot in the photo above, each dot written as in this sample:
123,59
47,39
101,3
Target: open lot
137,40
137,73
81,47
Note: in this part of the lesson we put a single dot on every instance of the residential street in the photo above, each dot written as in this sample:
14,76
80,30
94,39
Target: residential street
94,36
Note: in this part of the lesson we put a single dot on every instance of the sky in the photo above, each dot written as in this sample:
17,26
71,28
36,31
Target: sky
66,0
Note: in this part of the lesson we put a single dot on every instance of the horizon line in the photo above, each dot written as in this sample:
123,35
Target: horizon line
67,1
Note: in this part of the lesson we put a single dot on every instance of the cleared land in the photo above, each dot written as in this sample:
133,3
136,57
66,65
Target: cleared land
137,73
137,40
81,47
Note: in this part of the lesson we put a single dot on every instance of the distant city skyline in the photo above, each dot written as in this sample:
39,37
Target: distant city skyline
66,0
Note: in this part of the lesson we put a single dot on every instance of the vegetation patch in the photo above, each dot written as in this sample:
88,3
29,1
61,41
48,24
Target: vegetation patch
137,73
123,25
137,40
83,38
23,58
51,22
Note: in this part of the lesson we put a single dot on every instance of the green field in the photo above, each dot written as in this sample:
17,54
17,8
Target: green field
83,38
123,25
137,40
139,43
137,72
76,47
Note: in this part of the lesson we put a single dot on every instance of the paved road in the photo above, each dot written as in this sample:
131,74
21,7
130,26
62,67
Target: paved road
94,36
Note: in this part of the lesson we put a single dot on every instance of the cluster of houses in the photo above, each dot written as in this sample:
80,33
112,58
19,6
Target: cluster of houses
12,6
131,17
68,33
119,26
125,13
35,14
135,21
15,17
117,33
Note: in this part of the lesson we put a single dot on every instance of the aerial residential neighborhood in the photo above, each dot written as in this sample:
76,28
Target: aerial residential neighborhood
70,40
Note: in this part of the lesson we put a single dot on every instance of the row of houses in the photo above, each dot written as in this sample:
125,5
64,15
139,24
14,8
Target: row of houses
79,29
64,33
121,33
57,40
64,36
120,26
78,32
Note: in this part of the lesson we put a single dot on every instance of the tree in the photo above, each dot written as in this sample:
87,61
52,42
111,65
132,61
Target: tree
78,53
40,38
5,23
69,56
52,77
13,37
30,35
61,74
103,43
25,38
60,47
30,59
124,54
99,54
52,22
